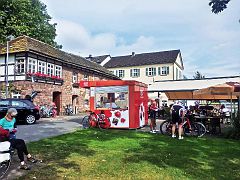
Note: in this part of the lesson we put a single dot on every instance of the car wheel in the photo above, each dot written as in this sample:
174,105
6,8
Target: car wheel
30,119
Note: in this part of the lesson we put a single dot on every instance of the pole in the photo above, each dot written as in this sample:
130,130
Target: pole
238,106
7,84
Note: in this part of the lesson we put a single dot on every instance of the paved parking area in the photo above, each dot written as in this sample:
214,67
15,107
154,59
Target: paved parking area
49,127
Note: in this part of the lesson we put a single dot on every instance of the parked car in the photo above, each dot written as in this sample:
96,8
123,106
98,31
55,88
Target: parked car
27,111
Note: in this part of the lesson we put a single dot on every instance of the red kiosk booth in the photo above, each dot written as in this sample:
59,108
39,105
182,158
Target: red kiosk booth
125,103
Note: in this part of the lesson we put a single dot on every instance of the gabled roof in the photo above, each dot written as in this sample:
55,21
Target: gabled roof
162,57
97,59
27,44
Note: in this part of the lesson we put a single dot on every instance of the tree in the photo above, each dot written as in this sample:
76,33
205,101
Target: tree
198,75
218,5
26,17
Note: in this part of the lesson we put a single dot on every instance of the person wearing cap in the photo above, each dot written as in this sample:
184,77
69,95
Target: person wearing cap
8,125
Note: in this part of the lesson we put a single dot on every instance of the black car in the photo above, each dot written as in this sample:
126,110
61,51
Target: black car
27,111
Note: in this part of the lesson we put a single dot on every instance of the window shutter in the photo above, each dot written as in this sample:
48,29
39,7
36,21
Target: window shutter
154,71
168,70
146,71
131,75
159,71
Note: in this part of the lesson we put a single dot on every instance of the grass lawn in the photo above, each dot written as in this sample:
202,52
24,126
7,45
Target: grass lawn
122,154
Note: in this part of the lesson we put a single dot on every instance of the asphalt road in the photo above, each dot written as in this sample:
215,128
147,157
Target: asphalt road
49,127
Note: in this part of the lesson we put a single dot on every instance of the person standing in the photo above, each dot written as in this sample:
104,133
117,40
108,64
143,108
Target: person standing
153,111
178,112
6,127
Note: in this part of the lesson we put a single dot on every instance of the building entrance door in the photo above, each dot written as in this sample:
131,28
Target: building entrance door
57,100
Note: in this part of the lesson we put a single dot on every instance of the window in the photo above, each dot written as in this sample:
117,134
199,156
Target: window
121,73
32,65
151,71
20,66
85,77
42,67
19,104
176,73
16,95
165,70
58,71
134,72
4,103
74,77
50,69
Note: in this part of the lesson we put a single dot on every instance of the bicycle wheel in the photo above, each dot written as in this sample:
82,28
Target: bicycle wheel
85,122
166,128
198,129
4,167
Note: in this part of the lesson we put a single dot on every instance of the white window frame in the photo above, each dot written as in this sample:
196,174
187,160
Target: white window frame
16,95
58,71
121,73
85,77
42,67
165,70
20,66
151,71
75,77
50,69
135,72
32,65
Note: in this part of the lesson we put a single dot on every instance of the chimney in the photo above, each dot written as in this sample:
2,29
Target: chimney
90,56
133,54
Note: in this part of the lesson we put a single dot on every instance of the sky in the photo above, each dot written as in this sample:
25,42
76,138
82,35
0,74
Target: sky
209,43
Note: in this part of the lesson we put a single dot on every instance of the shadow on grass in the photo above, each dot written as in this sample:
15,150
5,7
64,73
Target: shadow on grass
202,158
197,158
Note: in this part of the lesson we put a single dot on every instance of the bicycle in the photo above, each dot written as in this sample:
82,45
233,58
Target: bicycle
96,120
196,129
5,157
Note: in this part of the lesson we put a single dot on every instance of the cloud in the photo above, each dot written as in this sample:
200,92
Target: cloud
77,39
209,43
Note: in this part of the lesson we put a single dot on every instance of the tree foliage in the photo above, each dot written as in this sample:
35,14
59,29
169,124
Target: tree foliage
198,75
218,5
26,17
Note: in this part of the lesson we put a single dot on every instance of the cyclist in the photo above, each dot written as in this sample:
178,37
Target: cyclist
178,112
7,126
153,111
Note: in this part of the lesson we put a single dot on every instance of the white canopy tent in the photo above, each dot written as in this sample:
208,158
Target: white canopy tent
183,89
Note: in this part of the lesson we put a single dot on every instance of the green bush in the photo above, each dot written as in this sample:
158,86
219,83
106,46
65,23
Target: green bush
234,132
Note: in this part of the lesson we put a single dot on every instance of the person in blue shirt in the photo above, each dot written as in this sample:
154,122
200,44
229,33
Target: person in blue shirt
8,125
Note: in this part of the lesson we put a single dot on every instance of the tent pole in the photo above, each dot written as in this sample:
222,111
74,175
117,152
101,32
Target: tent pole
231,107
238,105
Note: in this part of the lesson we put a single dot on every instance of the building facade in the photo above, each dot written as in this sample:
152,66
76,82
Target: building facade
146,67
31,65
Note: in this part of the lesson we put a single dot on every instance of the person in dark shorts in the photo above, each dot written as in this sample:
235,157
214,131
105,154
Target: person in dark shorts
6,127
178,112
153,111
